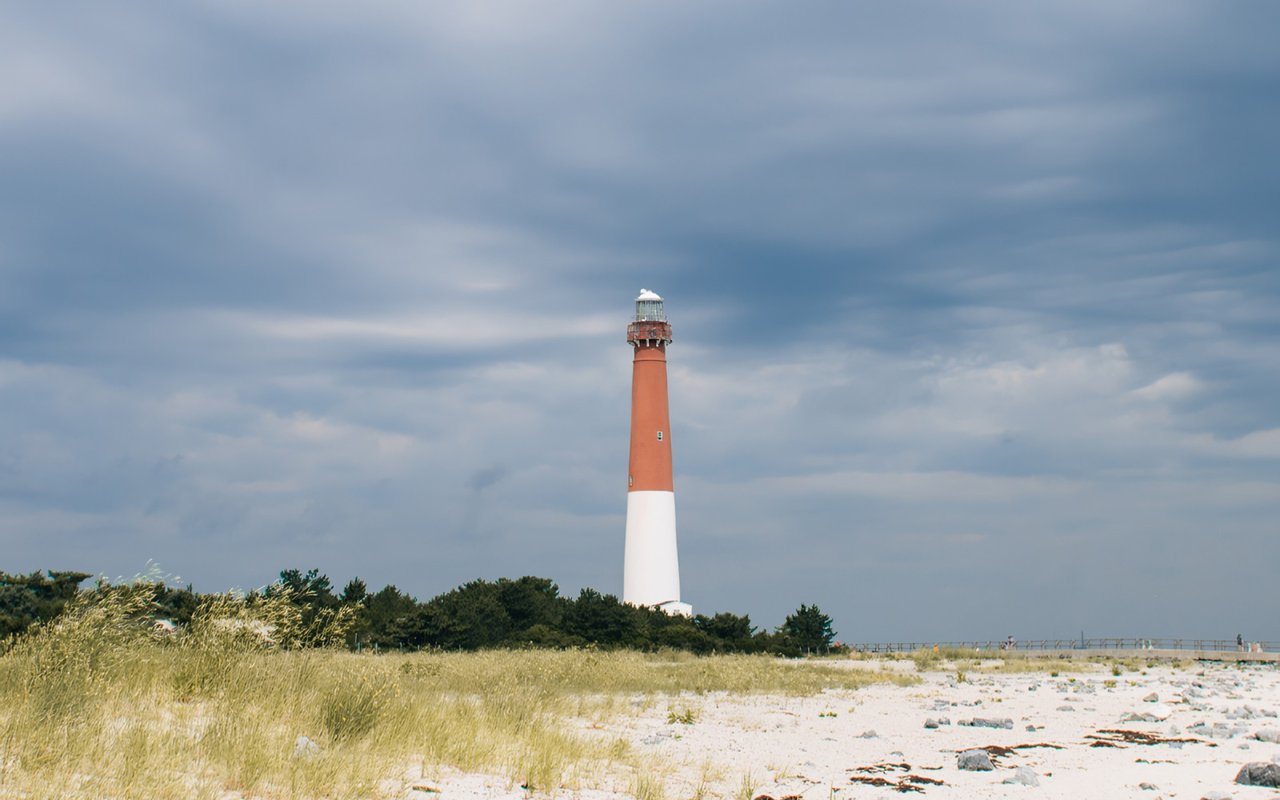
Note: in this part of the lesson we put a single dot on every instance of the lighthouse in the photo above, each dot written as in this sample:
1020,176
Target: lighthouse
651,568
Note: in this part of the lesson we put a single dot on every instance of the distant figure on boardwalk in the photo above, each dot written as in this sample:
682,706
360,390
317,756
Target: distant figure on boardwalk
1239,643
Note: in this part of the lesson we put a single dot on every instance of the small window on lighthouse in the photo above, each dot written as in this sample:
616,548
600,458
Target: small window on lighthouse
659,435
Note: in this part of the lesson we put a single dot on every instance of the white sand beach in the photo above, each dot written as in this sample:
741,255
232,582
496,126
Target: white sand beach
1072,734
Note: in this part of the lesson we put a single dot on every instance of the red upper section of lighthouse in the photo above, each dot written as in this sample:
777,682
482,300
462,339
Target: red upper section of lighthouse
649,334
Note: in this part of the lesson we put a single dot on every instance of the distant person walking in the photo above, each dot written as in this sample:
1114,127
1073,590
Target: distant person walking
1239,643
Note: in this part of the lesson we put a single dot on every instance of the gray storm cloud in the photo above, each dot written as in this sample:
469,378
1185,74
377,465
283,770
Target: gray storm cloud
973,306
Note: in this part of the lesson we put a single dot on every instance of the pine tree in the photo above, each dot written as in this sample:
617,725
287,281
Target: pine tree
809,629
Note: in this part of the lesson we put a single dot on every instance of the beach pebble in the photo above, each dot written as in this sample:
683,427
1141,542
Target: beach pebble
981,722
975,761
1267,735
868,735
1023,775
1066,708
1148,787
1219,730
1259,773
931,723
1151,698
303,747
1250,712
1153,714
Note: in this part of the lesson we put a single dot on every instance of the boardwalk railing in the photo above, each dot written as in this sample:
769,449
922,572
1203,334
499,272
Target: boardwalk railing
1033,645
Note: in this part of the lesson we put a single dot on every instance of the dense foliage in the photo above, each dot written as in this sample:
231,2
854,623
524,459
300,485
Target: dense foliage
39,597
525,612
809,629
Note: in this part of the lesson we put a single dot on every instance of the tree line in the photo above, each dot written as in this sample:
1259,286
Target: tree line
510,613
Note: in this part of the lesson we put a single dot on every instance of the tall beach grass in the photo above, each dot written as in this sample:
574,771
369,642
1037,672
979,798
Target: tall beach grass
94,705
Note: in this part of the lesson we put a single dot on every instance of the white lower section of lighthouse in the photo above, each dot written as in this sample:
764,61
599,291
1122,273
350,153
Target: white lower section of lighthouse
651,568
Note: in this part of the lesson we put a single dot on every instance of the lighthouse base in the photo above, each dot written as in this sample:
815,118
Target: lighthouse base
677,609
651,569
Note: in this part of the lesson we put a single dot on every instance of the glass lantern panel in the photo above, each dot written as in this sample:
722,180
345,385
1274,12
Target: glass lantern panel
650,311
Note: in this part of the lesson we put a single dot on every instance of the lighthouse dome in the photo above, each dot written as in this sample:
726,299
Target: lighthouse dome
649,307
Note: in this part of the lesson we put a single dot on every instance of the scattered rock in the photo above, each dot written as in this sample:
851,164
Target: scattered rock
1219,730
1148,787
1151,698
1267,735
1066,708
1023,775
981,722
931,723
1250,712
303,747
868,735
975,761
1216,796
1259,773
1153,714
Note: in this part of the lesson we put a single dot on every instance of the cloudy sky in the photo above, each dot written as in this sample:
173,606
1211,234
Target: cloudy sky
976,306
